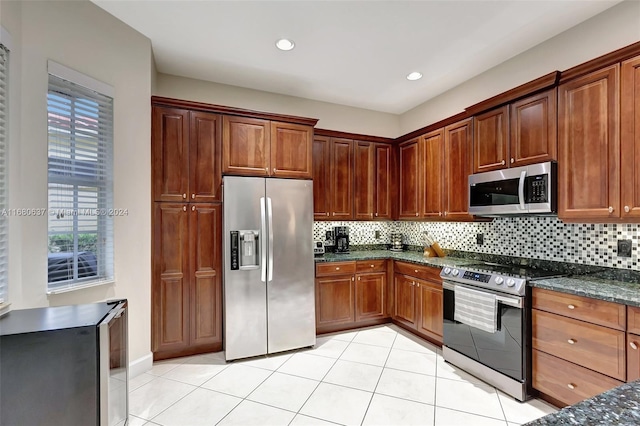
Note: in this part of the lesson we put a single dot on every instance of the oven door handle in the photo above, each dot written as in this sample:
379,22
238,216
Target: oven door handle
523,175
516,302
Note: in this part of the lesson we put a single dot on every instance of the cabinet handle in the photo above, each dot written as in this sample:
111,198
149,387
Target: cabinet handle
571,341
571,386
193,196
503,162
193,208
627,209
184,196
610,209
633,345
571,306
184,208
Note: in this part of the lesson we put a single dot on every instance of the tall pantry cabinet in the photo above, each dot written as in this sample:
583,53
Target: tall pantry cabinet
187,224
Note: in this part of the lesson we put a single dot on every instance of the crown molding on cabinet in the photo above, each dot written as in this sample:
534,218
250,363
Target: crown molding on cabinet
600,62
354,136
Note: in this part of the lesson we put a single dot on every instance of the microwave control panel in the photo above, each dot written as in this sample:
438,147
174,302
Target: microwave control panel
537,189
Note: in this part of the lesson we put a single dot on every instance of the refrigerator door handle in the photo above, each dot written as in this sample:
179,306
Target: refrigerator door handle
270,216
263,257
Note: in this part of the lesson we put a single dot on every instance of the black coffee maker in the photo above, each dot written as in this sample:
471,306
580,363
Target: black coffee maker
341,234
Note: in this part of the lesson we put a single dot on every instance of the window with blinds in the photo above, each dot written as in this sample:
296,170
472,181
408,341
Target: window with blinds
80,183
4,94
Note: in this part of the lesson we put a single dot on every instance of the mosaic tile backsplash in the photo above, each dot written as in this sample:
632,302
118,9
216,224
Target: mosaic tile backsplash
545,238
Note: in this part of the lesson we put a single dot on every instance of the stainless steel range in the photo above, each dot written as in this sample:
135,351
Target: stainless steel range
487,323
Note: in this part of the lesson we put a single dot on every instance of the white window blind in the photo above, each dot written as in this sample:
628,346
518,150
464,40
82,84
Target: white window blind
80,178
4,95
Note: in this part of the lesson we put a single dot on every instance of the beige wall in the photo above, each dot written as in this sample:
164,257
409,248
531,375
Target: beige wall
81,36
332,116
608,31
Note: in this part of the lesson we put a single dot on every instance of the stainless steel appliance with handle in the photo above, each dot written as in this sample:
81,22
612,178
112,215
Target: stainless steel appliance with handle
269,290
515,191
487,323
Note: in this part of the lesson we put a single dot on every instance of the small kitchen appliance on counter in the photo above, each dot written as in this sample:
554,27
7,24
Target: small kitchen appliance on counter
318,248
342,239
396,242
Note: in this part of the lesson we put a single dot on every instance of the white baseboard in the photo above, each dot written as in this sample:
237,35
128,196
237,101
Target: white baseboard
140,365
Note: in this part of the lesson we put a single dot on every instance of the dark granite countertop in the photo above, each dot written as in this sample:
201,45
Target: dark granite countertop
618,406
406,256
627,293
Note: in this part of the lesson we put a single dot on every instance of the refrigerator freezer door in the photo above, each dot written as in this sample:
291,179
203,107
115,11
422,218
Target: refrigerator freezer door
245,295
291,291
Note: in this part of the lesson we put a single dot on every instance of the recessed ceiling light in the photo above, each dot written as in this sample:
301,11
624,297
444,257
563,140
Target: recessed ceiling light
414,76
285,44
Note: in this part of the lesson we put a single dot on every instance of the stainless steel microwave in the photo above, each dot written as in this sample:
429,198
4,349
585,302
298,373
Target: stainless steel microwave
515,191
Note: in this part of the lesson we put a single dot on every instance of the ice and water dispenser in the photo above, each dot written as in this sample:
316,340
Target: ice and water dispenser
245,250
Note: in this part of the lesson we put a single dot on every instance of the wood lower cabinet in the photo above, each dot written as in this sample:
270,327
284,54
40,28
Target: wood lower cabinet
350,294
405,300
633,357
430,321
186,287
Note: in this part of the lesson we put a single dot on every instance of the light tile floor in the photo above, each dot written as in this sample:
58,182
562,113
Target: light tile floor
375,376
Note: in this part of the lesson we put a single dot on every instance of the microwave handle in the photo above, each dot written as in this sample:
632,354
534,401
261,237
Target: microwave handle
523,174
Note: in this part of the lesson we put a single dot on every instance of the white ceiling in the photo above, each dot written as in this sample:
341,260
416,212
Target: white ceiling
354,53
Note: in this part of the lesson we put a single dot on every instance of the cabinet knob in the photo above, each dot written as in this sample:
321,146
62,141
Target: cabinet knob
439,213
358,278
571,341
445,213
337,268
274,170
416,214
372,266
327,213
184,208
371,214
193,196
610,209
334,213
571,306
184,196
193,208
376,214
503,162
266,169
571,386
418,285
353,279
627,209
415,270
633,345
513,161
413,283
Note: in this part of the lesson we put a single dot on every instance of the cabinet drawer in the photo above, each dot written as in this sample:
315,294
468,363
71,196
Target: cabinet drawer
587,309
335,268
567,382
418,271
598,348
378,265
633,319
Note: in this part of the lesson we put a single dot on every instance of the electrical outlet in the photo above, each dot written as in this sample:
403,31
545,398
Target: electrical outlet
480,239
377,234
624,248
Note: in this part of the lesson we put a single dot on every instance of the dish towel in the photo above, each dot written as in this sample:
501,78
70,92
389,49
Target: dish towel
475,308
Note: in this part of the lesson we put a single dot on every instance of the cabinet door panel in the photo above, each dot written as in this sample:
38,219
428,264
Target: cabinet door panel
364,154
491,136
341,179
430,321
432,157
633,357
245,146
630,138
409,180
405,300
321,178
170,292
589,146
170,142
291,150
457,153
383,171
533,129
205,142
205,229
334,300
370,296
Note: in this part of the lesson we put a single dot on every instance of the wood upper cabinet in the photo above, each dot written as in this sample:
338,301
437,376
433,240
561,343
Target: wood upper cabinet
630,138
371,289
335,300
491,136
405,300
372,180
321,178
291,150
187,289
170,145
458,140
589,146
533,129
409,180
432,174
205,157
246,146
430,321
341,187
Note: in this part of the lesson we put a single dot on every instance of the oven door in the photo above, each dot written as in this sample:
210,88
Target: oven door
503,351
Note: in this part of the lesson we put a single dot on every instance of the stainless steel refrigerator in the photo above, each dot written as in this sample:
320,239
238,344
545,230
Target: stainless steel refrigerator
269,290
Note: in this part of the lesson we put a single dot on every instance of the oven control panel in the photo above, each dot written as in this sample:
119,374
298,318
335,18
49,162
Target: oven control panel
493,281
476,276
